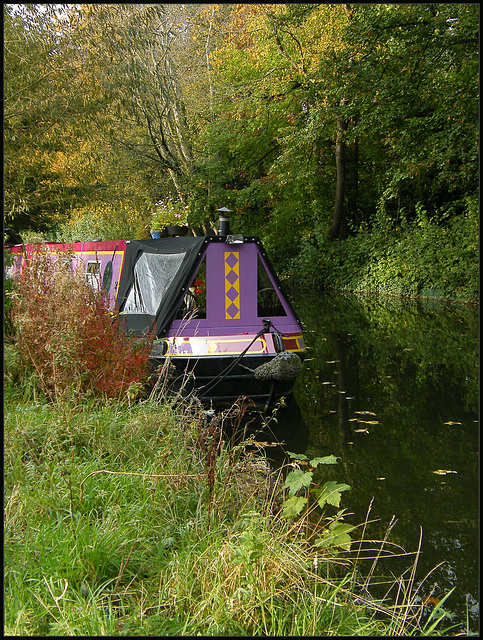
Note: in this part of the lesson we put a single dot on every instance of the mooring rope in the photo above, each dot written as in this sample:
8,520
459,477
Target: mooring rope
218,378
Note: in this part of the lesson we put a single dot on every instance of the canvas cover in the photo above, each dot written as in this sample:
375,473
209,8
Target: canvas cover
154,279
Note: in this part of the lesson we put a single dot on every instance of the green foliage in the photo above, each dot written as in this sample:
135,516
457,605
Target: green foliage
241,106
336,535
337,532
106,221
403,79
168,213
419,258
67,335
45,91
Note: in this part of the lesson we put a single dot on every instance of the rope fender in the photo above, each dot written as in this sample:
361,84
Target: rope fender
285,366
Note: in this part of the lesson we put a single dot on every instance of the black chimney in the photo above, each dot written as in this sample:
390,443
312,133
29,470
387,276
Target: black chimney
223,221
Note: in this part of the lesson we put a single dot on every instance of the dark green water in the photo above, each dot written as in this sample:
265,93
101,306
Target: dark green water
391,387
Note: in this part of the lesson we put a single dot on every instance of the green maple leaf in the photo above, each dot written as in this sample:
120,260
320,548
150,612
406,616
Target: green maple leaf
331,493
293,506
297,456
297,479
324,460
336,536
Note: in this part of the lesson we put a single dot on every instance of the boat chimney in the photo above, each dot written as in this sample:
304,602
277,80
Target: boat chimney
223,221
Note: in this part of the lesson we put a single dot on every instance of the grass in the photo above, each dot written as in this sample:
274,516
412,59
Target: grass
142,520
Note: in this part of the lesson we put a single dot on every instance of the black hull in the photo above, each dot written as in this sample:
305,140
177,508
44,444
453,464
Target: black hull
222,380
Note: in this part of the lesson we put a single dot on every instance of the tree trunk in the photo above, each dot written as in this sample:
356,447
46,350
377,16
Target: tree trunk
340,165
352,188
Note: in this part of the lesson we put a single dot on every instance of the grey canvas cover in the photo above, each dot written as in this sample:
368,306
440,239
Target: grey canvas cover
154,279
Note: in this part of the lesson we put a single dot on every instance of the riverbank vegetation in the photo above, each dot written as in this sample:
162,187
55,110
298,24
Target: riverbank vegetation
156,517
142,520
346,136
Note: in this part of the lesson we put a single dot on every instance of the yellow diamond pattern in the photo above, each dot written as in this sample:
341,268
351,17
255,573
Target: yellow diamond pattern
232,285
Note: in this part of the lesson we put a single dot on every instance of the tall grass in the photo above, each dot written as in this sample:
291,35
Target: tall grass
144,520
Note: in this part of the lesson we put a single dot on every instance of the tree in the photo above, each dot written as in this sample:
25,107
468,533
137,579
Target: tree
279,113
381,88
43,97
132,50
413,87
307,119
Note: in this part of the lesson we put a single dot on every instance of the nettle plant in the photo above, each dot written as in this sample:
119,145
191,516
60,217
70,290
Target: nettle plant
305,496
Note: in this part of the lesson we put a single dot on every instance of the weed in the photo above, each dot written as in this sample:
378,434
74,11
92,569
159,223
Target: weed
67,338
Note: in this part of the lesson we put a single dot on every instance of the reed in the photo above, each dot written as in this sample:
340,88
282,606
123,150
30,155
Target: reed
142,519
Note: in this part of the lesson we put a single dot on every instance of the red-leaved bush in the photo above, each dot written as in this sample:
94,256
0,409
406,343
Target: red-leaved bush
67,333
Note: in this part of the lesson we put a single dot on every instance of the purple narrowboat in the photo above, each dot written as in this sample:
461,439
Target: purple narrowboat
221,319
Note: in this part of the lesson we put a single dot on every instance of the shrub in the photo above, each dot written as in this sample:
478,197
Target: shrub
69,337
105,221
8,287
417,258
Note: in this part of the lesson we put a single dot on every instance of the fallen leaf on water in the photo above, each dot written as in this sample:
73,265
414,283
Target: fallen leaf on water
451,422
443,472
453,521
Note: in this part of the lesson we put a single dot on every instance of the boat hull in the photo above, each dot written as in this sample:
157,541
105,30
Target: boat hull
220,381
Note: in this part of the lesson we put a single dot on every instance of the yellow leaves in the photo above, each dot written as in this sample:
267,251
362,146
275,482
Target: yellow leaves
323,29
268,42
431,600
364,413
443,472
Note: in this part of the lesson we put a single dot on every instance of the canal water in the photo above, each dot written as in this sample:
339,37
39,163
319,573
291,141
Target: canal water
390,386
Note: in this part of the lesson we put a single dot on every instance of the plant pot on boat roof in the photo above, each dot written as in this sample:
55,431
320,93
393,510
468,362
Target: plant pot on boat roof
158,233
176,230
170,217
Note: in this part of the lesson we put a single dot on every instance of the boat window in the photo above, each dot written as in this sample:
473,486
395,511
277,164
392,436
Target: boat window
107,277
153,274
93,274
65,262
194,302
268,300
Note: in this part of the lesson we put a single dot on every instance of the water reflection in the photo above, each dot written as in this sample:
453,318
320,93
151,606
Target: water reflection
391,387
284,430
